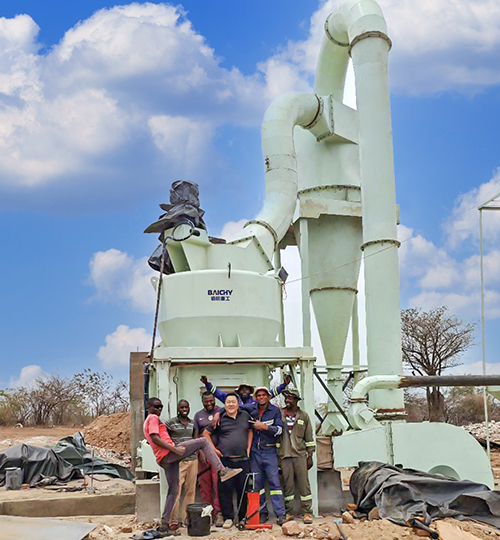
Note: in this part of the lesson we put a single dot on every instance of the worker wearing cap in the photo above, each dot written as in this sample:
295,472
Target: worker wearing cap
296,450
268,427
244,390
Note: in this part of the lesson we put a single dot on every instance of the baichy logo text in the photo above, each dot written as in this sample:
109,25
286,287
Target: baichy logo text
220,295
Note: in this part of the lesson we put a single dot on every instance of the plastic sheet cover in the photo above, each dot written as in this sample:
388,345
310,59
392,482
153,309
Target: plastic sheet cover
184,207
73,450
68,460
37,463
403,494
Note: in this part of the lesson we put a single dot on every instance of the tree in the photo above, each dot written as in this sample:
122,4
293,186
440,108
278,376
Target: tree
95,389
432,342
49,397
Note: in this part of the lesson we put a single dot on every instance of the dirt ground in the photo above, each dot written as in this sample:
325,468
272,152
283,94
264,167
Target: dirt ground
36,436
124,527
103,485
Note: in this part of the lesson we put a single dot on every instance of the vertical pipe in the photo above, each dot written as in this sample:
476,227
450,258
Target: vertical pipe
355,339
277,266
304,266
485,397
370,61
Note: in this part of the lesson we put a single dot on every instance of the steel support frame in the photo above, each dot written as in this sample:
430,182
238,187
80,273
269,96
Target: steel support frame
308,405
483,340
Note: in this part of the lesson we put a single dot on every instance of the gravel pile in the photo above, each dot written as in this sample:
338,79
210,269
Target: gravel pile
479,430
118,458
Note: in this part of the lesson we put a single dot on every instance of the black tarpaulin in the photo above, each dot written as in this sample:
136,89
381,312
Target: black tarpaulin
37,463
403,494
184,207
73,450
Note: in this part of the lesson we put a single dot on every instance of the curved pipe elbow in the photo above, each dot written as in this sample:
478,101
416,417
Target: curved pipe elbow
360,415
354,18
379,382
284,113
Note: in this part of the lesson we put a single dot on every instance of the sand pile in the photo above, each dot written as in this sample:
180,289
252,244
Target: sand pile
111,432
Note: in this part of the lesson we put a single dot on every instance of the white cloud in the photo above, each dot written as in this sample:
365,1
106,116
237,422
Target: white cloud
184,141
441,45
136,76
438,45
443,275
26,377
118,276
465,226
121,343
232,228
138,80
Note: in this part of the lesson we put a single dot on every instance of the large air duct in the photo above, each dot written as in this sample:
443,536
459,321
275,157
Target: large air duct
272,222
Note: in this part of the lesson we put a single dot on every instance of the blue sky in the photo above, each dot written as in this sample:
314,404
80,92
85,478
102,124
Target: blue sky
102,106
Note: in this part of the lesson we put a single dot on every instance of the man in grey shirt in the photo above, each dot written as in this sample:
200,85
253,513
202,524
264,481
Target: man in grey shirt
181,429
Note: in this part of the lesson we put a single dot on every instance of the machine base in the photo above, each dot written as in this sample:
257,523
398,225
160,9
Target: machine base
430,447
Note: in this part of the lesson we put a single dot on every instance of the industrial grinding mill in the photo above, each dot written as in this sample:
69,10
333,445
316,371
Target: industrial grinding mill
330,190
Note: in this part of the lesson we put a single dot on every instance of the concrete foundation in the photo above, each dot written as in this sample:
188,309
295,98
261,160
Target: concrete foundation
74,505
332,499
147,506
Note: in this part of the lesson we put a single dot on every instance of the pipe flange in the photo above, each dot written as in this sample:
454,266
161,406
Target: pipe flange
358,400
319,113
328,187
319,289
266,226
393,414
370,34
397,243
330,37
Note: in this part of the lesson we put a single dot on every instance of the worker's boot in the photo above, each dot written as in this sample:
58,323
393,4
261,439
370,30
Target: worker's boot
227,474
308,519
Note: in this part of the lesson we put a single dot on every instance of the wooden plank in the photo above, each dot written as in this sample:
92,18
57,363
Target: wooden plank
137,360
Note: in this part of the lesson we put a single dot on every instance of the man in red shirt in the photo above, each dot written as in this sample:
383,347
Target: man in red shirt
168,456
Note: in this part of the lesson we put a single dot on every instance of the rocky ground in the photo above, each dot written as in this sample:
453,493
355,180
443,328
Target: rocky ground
324,528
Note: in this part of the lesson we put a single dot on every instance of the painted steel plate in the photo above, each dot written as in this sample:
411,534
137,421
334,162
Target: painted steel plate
25,528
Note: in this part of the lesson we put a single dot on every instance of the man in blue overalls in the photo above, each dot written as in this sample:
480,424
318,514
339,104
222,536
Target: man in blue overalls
244,390
268,427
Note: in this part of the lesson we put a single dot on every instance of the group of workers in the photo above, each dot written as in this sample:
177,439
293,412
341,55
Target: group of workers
229,450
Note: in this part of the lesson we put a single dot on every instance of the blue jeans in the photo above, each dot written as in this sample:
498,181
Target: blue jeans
265,464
